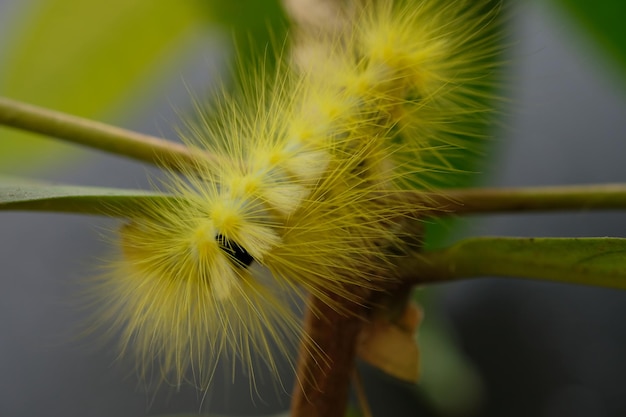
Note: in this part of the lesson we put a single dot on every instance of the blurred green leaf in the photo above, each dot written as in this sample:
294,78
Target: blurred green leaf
256,26
353,412
448,378
23,194
604,21
85,58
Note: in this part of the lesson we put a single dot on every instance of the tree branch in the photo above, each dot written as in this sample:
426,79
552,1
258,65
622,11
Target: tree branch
323,382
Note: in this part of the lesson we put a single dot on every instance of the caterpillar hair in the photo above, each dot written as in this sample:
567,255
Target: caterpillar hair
303,195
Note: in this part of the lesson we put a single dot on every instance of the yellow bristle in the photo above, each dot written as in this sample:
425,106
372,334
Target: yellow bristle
310,162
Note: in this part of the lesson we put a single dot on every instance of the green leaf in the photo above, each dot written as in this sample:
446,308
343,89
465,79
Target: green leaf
589,261
23,194
604,21
86,58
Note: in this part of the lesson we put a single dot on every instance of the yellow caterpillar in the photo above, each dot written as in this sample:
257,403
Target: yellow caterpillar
307,162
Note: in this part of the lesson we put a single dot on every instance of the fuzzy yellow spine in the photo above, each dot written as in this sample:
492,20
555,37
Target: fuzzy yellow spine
423,73
191,283
308,161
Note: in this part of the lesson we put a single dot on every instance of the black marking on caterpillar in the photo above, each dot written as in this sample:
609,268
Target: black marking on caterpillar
236,253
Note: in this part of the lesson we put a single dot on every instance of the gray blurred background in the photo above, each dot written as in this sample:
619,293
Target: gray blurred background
541,349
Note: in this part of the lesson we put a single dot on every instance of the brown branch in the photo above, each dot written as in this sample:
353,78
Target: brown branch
324,382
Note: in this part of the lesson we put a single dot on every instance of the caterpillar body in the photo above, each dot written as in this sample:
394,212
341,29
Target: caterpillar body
306,164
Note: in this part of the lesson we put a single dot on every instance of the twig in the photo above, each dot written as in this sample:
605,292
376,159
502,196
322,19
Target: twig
522,199
95,134
435,204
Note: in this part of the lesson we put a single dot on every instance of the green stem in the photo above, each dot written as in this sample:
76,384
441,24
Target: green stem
588,261
434,204
94,134
523,199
